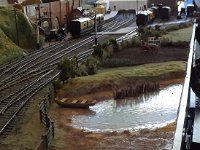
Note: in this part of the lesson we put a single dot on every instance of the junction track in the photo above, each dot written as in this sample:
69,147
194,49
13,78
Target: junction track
21,80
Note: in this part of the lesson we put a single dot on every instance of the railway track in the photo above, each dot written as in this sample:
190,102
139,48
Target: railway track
20,81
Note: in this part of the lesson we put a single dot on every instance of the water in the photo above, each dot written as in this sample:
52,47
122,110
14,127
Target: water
147,111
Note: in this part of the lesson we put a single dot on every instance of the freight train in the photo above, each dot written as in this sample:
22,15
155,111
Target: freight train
85,25
190,10
145,17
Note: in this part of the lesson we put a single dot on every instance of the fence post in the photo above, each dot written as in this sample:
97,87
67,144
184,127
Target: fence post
47,121
46,141
45,144
40,115
52,123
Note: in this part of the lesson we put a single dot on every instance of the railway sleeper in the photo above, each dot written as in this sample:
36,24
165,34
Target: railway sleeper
8,129
5,133
2,136
11,125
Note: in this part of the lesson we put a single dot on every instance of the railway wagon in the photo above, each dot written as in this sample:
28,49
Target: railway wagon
85,25
165,12
155,11
144,17
190,10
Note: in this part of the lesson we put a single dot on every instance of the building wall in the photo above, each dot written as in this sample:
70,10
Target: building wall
58,9
127,4
171,3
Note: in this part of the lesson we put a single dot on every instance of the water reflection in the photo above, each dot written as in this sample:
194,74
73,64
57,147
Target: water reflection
134,101
146,111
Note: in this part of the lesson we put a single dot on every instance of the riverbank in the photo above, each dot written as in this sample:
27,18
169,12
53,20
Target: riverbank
107,79
68,137
99,87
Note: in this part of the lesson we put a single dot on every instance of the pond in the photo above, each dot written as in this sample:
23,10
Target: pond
146,111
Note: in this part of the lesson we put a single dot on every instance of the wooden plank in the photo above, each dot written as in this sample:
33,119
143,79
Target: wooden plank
75,101
84,101
63,100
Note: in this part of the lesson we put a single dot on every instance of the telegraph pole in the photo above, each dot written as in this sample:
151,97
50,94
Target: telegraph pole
37,24
16,26
95,23
137,7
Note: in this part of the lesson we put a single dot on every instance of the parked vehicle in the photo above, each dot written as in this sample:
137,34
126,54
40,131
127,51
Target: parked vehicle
165,12
85,25
190,10
144,17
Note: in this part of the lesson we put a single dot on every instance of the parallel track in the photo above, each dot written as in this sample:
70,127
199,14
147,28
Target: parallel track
22,80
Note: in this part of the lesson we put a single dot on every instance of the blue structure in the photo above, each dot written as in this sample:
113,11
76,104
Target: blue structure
187,2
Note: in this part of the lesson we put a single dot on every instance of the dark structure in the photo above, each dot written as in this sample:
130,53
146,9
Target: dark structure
165,12
171,3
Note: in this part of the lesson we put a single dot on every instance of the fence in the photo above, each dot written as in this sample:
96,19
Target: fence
47,138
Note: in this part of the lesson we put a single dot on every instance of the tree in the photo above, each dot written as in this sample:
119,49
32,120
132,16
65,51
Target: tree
98,52
65,69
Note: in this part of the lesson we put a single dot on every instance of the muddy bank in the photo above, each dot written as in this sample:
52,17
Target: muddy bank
68,137
75,139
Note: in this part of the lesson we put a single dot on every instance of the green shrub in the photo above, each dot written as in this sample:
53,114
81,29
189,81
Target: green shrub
145,32
98,51
135,42
91,66
115,45
166,42
82,70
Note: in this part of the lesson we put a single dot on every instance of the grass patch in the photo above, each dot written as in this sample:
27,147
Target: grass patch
116,76
116,62
8,50
179,35
25,30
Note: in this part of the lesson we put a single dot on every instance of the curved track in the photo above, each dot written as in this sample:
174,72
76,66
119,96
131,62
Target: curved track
20,81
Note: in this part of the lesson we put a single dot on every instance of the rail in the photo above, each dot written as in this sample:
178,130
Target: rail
182,138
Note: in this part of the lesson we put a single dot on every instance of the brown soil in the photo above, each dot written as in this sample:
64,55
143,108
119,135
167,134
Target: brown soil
70,138
77,139
141,56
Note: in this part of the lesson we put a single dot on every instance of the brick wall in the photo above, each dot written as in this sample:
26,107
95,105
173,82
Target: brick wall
171,3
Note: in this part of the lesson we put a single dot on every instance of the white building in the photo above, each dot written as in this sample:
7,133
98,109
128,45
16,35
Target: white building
128,4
